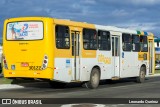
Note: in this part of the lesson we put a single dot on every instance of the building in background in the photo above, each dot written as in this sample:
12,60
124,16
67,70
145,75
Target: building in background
157,53
157,48
0,57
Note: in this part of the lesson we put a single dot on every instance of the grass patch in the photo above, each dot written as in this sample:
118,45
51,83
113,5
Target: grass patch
16,81
5,81
157,71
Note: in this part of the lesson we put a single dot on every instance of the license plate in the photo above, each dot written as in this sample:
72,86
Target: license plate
24,64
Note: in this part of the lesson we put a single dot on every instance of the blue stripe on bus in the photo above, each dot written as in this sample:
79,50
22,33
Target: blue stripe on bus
145,33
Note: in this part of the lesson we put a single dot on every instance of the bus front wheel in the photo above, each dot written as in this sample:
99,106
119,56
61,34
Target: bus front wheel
141,77
94,79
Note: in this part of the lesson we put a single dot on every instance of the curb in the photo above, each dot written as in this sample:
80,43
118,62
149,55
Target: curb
10,86
24,85
155,75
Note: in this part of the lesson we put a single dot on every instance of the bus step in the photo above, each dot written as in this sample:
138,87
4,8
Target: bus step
115,78
75,81
151,74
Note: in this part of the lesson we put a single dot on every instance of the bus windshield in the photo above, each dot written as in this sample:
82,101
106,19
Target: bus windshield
25,30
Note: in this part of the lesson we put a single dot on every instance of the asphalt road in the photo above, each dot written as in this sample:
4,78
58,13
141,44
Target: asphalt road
116,89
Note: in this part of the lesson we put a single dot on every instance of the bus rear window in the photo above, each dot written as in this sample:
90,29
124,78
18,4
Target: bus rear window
25,31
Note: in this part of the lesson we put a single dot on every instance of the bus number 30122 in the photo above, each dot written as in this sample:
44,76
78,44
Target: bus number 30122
34,67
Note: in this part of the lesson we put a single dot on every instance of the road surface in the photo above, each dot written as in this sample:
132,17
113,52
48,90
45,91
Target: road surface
116,89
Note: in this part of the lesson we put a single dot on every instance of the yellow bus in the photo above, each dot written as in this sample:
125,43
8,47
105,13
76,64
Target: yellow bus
64,51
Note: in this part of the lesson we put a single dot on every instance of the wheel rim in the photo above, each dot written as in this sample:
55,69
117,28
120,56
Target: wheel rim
142,75
95,79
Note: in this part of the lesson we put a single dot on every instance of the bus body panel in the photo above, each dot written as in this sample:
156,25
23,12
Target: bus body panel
64,60
63,69
30,52
104,60
129,62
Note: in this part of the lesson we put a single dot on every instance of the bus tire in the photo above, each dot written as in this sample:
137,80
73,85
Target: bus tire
55,84
141,77
94,79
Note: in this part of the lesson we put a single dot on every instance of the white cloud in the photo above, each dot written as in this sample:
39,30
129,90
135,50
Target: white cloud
120,13
145,2
2,2
37,9
84,10
133,2
75,6
139,26
89,1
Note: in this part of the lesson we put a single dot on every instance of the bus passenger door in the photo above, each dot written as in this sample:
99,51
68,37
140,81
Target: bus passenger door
75,55
116,56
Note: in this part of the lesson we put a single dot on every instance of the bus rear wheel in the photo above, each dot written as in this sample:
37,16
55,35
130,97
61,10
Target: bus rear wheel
141,77
55,84
94,79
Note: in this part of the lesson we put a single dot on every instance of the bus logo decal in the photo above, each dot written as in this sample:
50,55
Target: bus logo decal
102,58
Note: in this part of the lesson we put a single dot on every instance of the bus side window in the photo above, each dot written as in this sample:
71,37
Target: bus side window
144,43
135,43
127,42
104,40
62,37
89,39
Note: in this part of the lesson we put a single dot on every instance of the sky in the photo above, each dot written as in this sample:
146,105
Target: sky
132,14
